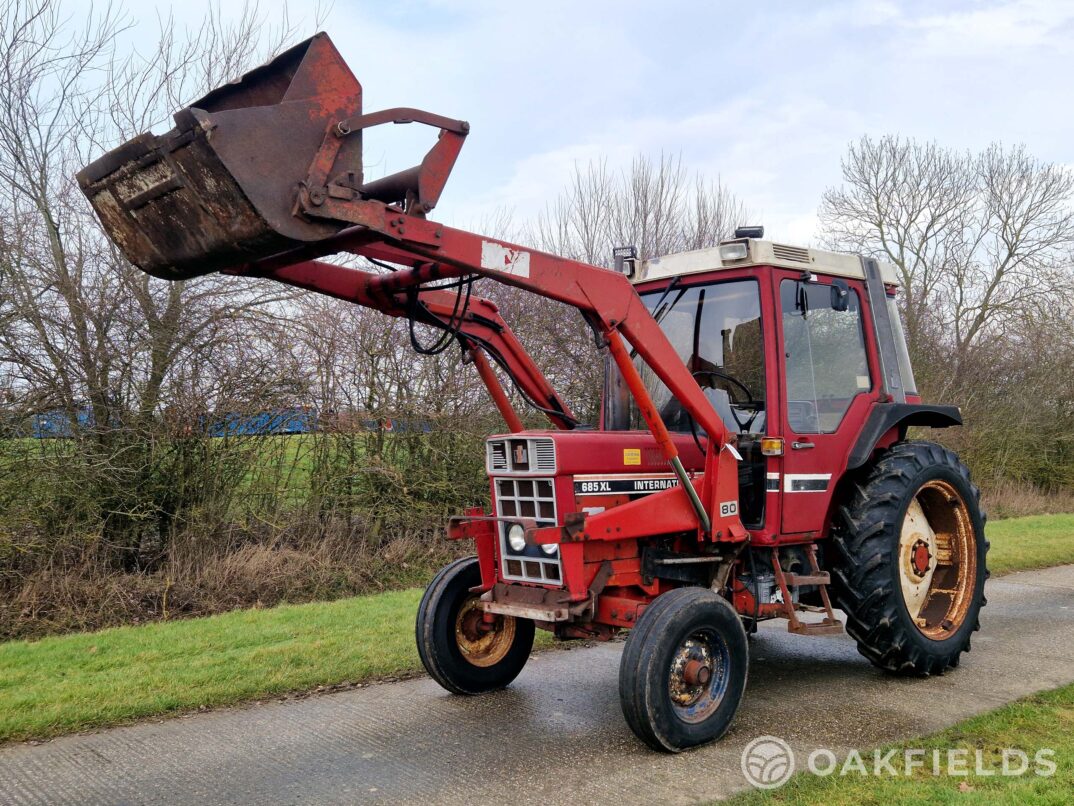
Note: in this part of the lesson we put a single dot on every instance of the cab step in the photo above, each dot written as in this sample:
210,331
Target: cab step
822,578
825,627
829,625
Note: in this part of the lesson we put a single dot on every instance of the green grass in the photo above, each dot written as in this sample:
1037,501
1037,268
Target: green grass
71,682
1044,720
1036,541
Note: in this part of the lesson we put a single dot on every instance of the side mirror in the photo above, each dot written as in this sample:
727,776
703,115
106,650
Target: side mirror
840,295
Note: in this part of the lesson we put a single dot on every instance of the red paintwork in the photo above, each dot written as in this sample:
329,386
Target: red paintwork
831,451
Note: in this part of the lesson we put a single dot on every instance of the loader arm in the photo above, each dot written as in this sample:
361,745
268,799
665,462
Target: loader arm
431,252
436,252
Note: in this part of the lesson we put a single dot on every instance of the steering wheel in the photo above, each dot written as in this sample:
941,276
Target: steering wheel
750,402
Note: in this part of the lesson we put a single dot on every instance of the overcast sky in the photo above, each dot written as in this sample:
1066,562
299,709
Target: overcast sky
766,95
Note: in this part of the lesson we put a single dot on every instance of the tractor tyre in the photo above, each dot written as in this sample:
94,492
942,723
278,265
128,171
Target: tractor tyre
683,670
459,650
909,561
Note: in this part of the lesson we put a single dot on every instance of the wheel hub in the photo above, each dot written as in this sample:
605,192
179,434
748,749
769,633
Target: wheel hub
920,559
691,663
480,642
696,673
698,676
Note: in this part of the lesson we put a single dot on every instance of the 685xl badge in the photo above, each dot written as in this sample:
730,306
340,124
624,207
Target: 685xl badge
623,484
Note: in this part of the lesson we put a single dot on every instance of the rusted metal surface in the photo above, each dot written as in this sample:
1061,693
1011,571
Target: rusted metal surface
218,188
259,167
829,624
547,605
483,644
416,189
937,559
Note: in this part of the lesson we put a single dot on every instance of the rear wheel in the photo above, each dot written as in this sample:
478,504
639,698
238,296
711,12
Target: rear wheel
683,670
910,567
459,649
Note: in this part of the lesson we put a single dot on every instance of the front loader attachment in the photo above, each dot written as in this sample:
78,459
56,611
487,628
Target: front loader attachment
245,170
263,176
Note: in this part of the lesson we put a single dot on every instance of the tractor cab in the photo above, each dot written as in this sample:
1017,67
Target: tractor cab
780,340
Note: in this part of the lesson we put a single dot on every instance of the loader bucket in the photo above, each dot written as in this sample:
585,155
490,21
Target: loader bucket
218,189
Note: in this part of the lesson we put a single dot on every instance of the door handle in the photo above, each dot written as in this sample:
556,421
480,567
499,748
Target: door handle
798,446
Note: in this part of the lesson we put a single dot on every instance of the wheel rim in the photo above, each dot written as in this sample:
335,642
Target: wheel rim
937,560
699,675
481,643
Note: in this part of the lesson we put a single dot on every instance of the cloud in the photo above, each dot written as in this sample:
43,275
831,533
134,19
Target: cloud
773,153
993,31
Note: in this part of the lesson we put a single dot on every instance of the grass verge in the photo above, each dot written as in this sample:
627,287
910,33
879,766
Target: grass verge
1041,721
1036,541
72,682
68,683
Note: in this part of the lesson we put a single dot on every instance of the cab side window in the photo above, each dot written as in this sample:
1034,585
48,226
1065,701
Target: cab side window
825,356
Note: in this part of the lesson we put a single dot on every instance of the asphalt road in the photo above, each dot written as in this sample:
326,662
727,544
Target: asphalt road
557,735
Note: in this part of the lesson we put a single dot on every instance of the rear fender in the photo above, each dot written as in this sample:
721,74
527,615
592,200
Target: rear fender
887,417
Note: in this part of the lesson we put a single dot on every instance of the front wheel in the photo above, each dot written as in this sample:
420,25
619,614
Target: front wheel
683,670
461,650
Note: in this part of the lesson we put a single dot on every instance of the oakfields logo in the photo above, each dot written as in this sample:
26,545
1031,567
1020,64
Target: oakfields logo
768,762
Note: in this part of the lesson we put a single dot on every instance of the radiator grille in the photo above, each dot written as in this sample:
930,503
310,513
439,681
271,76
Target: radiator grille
545,451
527,498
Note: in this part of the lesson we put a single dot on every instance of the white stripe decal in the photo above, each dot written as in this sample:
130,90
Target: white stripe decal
806,482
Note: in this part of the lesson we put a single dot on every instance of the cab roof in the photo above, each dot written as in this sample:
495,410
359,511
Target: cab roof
759,253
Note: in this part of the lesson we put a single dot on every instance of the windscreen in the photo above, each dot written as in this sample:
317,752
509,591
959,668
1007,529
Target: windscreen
716,330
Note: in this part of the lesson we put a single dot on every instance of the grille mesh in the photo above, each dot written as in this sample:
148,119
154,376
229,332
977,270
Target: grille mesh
497,456
527,498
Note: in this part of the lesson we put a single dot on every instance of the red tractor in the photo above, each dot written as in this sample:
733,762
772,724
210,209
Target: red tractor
751,461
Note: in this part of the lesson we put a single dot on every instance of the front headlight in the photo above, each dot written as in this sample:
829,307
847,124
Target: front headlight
549,548
516,537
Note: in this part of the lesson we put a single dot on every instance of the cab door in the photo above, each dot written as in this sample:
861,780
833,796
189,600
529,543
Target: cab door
828,388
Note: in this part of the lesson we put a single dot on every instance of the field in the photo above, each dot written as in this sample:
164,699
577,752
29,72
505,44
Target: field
71,682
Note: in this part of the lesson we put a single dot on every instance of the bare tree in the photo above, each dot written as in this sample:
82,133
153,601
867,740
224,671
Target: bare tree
978,239
83,330
983,244
656,205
